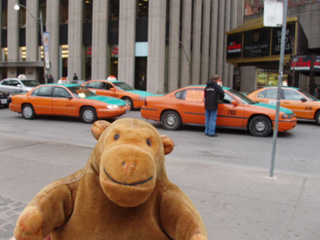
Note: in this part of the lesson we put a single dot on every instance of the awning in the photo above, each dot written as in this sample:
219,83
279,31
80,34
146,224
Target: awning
21,64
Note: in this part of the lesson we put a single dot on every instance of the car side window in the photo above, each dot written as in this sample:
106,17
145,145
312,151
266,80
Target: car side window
106,86
96,85
61,93
180,95
262,94
195,95
6,82
271,93
44,92
227,98
292,95
15,83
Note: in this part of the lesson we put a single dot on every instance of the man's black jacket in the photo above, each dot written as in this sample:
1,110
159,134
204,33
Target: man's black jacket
212,92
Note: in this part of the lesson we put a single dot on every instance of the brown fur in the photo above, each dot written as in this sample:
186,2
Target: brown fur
122,193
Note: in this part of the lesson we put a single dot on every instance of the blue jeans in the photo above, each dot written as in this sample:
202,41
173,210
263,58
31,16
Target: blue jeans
211,119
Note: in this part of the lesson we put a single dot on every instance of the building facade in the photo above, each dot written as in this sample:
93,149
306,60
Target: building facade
154,45
255,55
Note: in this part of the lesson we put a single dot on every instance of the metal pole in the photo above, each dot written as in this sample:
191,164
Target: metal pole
42,42
283,36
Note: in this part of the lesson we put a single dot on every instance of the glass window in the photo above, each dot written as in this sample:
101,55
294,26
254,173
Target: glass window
292,95
142,9
196,95
44,92
271,93
14,83
114,10
180,94
262,94
4,16
106,86
61,93
64,9
96,85
30,82
227,98
87,11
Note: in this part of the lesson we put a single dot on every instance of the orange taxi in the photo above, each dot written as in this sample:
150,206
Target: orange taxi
186,106
302,103
67,100
118,89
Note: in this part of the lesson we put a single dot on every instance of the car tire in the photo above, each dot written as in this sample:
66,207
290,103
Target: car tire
88,115
317,118
171,120
128,101
260,126
28,111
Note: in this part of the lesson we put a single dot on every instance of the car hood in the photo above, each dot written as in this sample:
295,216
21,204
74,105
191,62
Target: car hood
108,100
271,106
142,93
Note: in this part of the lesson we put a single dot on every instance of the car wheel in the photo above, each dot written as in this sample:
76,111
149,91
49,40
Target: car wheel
260,126
317,118
28,111
171,120
128,101
88,115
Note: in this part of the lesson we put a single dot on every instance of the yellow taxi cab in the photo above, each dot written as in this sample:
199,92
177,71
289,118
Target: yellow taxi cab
118,89
67,100
302,103
186,106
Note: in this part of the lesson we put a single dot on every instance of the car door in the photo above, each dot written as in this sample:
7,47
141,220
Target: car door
298,103
41,100
63,103
230,115
96,87
191,106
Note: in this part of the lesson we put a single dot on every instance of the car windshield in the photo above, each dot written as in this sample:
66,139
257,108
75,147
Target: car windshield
242,98
81,92
310,96
123,86
30,82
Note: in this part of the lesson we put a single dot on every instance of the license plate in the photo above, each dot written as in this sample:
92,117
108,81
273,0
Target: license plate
4,101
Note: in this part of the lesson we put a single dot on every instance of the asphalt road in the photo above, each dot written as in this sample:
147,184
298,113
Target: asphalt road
297,150
226,177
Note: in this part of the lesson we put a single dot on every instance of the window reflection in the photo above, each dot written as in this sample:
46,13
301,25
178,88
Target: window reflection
64,8
142,8
114,10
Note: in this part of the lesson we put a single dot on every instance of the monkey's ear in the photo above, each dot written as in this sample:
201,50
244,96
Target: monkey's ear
98,127
168,144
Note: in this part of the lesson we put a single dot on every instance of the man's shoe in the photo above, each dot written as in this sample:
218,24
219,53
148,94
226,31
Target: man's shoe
215,135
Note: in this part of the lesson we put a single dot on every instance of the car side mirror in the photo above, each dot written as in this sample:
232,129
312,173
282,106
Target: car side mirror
234,102
303,99
112,89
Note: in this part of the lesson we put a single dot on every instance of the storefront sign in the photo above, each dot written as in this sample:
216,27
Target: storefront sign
316,66
257,43
234,46
289,41
301,63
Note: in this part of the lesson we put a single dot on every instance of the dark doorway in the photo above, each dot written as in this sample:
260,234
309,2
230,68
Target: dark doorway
141,73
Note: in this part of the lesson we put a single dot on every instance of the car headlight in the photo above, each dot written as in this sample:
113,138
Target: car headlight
141,97
287,116
113,106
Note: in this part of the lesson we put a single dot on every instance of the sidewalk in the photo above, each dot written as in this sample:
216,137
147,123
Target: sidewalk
235,203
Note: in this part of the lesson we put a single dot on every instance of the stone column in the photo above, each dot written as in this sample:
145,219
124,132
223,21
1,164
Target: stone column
127,33
205,41
100,39
32,31
196,48
75,26
226,76
52,26
156,47
173,58
248,79
13,37
214,37
221,37
186,43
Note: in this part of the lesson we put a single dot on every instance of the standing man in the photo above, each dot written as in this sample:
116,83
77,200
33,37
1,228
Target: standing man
75,77
212,93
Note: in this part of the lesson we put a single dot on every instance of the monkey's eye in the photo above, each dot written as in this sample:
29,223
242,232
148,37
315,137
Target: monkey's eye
116,137
149,142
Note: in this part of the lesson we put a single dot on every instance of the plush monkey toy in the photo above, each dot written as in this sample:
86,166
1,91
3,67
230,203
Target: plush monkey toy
122,193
